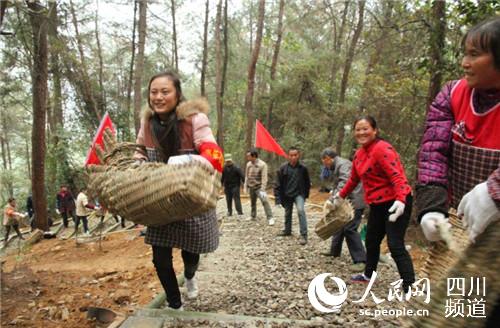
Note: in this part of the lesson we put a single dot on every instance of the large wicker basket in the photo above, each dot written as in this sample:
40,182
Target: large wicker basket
334,220
477,260
152,193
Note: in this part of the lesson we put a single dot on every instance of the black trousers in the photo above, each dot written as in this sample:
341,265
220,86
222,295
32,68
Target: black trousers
85,223
7,231
162,260
233,193
65,215
379,226
353,239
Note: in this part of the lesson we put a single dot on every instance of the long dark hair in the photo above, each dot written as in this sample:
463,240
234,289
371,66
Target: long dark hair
172,76
486,37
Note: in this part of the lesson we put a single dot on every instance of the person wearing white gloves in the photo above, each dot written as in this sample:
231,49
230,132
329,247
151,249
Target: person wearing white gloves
176,131
459,157
11,219
256,183
378,167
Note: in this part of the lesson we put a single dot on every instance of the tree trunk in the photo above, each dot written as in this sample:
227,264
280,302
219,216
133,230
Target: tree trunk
251,76
436,42
205,53
57,156
131,74
274,63
174,37
338,38
218,76
224,65
375,55
88,93
347,68
139,64
39,91
28,159
102,93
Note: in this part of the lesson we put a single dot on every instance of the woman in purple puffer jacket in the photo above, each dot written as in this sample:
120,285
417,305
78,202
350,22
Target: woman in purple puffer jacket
459,159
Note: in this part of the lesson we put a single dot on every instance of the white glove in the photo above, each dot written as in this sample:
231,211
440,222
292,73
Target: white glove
57,211
478,210
430,222
328,206
335,200
262,195
397,209
183,159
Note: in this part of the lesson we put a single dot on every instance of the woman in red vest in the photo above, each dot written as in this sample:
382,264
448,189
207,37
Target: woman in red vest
459,159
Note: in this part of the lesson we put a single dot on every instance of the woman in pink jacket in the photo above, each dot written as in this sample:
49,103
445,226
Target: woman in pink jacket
170,127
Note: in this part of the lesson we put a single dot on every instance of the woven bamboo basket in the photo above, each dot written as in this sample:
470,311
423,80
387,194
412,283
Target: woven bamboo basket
151,193
442,257
334,220
478,260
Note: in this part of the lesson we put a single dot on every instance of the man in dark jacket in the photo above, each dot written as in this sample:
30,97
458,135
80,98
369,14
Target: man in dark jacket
65,204
292,186
232,178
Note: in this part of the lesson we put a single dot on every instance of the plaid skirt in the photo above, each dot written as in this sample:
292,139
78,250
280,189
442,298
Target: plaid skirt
197,234
470,166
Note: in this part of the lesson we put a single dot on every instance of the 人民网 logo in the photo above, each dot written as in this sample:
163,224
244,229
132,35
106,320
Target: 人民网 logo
318,294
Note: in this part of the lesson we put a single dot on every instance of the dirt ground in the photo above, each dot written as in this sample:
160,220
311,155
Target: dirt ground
52,283
55,281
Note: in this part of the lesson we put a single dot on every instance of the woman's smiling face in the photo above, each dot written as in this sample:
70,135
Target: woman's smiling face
162,95
364,132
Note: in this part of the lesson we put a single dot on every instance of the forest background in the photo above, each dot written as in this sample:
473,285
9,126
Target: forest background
305,69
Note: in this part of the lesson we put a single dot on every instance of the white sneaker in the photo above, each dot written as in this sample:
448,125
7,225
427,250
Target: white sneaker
87,234
271,221
192,288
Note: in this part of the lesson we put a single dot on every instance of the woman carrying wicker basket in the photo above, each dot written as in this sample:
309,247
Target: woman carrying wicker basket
459,158
170,127
377,165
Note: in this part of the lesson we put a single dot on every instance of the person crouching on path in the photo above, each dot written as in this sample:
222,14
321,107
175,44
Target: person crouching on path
292,186
378,166
172,126
11,219
256,183
340,169
83,208
232,178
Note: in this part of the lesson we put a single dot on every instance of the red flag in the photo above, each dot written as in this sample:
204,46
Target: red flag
264,140
98,140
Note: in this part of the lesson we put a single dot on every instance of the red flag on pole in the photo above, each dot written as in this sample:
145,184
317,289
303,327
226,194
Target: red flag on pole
98,140
264,140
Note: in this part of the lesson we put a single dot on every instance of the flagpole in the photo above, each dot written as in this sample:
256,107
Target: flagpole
255,133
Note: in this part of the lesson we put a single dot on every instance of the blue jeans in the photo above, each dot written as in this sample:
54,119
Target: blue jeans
288,205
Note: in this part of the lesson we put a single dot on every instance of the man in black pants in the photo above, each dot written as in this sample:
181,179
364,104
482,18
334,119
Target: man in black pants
340,169
232,177
65,204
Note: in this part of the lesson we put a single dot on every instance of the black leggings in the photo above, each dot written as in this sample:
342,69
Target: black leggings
162,259
378,226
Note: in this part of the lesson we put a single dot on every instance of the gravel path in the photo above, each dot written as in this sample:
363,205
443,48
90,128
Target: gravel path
256,273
